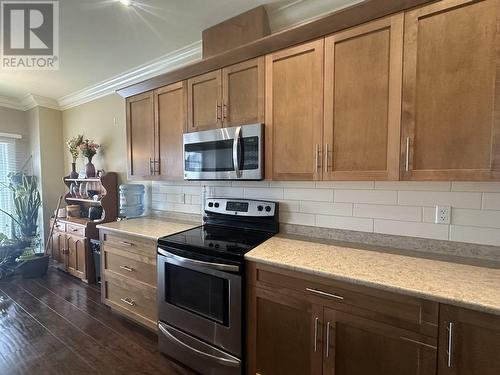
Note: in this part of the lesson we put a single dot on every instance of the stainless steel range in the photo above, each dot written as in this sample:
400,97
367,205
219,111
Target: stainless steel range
201,280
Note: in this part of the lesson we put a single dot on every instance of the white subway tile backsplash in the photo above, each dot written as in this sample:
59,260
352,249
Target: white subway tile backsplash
485,236
366,196
476,218
432,198
368,185
388,212
296,218
337,209
323,195
480,187
399,208
413,185
345,222
263,193
491,201
406,228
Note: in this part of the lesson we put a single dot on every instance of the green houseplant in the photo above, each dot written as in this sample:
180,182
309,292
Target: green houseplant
27,202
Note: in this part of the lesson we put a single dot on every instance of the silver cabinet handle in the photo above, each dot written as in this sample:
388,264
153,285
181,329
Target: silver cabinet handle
407,162
126,243
224,111
316,160
151,166
224,361
236,151
316,321
449,352
127,268
327,339
217,112
128,301
326,157
325,294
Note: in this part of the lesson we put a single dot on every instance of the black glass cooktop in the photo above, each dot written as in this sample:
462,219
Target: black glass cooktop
221,241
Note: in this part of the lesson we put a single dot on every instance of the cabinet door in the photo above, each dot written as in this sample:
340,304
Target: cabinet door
170,119
57,247
363,77
358,346
205,101
284,334
469,342
294,112
451,96
243,93
140,135
76,256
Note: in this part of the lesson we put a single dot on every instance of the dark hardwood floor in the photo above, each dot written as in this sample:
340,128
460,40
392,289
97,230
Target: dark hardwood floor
57,325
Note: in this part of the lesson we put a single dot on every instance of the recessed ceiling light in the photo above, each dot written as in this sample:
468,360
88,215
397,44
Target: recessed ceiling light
126,2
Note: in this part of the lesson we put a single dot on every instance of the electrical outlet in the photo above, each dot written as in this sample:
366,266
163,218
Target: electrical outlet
443,214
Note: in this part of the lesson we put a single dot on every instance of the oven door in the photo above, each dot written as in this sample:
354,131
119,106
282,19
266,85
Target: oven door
225,154
201,296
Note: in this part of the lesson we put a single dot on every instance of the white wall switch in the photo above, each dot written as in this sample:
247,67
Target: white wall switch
443,214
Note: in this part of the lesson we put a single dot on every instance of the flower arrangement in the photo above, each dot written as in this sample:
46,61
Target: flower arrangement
88,148
73,144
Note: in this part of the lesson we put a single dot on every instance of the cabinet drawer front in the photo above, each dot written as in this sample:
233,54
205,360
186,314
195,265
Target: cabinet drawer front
132,244
402,311
130,265
59,227
136,301
75,229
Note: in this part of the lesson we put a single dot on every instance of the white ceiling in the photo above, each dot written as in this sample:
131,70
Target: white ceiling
100,39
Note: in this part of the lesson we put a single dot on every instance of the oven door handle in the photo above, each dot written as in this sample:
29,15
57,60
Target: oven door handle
236,151
223,361
193,262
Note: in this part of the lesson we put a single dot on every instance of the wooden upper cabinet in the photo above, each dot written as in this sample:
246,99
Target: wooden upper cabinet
140,135
362,111
356,346
294,112
170,119
243,93
204,102
469,342
451,92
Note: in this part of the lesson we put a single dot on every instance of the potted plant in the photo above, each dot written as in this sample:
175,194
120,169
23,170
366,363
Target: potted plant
89,149
27,203
72,145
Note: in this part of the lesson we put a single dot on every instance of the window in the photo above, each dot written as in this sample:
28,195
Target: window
8,164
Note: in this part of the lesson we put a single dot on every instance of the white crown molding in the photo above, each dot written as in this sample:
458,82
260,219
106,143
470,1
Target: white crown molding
31,101
161,65
11,103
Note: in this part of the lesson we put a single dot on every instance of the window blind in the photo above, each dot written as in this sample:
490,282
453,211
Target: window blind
9,162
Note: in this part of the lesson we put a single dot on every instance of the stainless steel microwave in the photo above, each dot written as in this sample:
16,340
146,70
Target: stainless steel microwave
225,154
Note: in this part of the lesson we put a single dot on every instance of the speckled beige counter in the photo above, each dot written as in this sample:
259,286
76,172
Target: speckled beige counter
456,284
152,228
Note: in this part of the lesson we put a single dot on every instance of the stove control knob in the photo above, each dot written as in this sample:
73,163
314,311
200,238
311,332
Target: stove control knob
260,208
268,208
217,245
210,204
216,205
210,244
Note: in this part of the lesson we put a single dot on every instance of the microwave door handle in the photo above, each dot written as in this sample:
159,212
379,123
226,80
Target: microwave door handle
193,262
236,151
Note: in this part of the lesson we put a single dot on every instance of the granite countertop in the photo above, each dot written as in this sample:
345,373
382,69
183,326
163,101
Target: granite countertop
147,227
471,286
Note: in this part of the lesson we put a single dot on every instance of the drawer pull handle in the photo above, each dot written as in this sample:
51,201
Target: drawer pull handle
126,243
325,294
128,301
127,268
75,230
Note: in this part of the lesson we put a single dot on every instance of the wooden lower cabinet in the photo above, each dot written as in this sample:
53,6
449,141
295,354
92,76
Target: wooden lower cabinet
128,279
301,326
358,346
76,256
469,342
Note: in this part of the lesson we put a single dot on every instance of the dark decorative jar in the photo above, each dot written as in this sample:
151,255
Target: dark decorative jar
73,173
89,168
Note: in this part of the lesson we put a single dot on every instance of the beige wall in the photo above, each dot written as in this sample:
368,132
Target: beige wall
102,120
16,122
